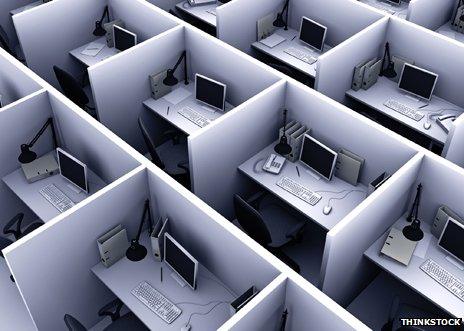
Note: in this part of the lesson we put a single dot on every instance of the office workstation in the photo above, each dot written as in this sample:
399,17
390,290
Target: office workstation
398,8
451,22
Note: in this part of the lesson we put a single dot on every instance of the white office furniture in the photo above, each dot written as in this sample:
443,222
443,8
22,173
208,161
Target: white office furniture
30,195
386,89
125,275
199,12
160,107
253,169
89,61
413,276
26,7
391,9
292,40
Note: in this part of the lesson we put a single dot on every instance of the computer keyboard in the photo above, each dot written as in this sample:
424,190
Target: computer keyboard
404,110
299,191
194,117
156,302
56,197
444,278
300,55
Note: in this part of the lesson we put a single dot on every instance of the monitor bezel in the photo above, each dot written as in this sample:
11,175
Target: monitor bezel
126,31
195,272
393,2
58,151
423,70
316,23
450,219
224,86
323,146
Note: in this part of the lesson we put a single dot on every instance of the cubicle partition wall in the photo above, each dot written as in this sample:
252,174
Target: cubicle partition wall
454,150
431,13
164,4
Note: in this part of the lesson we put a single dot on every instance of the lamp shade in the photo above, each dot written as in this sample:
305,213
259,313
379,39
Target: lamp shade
389,72
26,156
136,252
413,231
99,30
170,79
283,148
279,21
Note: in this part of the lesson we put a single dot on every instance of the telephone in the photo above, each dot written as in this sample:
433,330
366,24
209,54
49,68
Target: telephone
445,121
274,164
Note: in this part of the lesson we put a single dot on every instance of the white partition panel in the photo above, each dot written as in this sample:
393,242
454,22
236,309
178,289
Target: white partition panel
431,13
216,153
345,272
52,268
5,18
164,4
454,148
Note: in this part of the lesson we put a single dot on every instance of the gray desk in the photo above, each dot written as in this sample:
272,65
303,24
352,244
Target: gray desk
415,278
278,53
446,30
400,11
89,61
199,12
26,7
385,89
124,275
29,193
340,208
160,106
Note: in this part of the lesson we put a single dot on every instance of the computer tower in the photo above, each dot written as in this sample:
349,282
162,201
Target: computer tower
109,31
158,89
439,222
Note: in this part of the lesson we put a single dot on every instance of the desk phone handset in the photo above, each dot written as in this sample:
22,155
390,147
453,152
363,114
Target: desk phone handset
274,164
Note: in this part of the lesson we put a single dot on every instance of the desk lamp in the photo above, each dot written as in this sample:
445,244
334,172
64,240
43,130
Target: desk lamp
170,79
99,30
389,71
27,156
283,148
413,231
136,251
279,21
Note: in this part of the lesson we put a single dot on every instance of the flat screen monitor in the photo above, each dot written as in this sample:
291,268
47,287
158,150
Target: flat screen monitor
417,81
123,39
452,238
72,169
210,92
318,157
312,33
183,264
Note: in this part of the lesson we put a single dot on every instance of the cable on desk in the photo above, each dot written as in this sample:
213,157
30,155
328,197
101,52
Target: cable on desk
256,163
221,284
345,195
206,313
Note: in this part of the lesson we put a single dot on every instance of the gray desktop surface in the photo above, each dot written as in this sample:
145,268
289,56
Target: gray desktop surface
446,30
400,11
26,7
278,53
385,89
160,107
199,12
414,277
29,192
340,208
89,61
124,275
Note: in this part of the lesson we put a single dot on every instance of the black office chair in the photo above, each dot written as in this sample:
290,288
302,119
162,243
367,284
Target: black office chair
169,141
5,44
113,309
272,227
287,71
73,90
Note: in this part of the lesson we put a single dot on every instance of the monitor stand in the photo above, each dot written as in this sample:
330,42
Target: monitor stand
210,109
178,279
74,188
312,173
455,262
416,102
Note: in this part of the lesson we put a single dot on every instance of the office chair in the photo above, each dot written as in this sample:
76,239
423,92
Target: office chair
113,309
5,44
73,90
287,71
272,227
167,143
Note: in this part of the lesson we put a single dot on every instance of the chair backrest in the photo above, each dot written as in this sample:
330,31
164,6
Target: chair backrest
4,41
251,221
71,87
31,227
150,144
73,324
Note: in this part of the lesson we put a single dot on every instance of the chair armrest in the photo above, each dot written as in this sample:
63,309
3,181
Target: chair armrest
294,231
107,310
173,135
255,199
15,220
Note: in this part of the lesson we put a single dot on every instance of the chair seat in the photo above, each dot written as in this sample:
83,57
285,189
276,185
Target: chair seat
172,155
127,322
4,243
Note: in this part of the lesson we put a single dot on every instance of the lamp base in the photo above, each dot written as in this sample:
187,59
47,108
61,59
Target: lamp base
413,233
283,148
136,252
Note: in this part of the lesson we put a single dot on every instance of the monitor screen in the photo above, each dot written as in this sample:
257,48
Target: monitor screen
123,39
312,33
417,81
210,92
180,260
318,157
452,238
72,169
395,2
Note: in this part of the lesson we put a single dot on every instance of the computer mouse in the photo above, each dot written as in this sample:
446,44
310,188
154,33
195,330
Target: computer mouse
185,328
427,125
327,209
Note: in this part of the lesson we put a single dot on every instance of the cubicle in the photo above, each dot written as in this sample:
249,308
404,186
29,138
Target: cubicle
228,266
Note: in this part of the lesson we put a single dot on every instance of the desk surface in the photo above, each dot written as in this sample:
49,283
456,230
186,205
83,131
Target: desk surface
278,53
29,192
124,275
415,278
446,30
385,89
199,12
26,7
400,11
340,208
89,61
160,107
